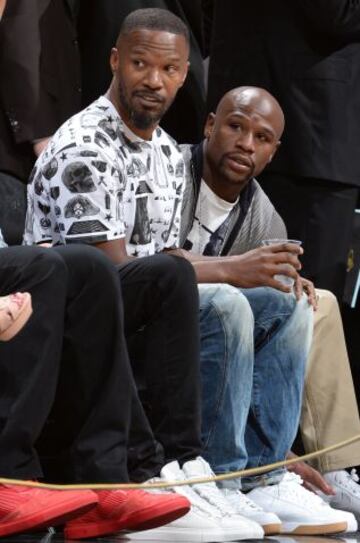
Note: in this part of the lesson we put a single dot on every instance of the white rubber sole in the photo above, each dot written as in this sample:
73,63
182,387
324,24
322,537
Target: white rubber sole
184,535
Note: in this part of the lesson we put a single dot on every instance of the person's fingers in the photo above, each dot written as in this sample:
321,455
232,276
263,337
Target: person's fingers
308,486
287,247
309,288
274,283
317,480
298,288
287,258
286,269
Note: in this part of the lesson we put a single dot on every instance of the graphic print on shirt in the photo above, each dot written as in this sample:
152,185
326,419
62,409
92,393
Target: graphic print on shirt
102,182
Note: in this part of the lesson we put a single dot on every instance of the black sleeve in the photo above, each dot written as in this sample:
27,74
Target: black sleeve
340,18
19,66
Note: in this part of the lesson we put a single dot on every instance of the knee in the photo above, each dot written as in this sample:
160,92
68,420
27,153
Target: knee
327,302
282,302
88,260
301,324
229,303
176,272
90,268
31,267
47,264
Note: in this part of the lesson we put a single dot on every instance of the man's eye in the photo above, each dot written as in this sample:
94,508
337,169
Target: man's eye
235,126
262,137
171,69
138,63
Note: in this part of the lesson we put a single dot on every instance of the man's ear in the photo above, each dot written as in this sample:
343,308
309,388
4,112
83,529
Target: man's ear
210,121
274,152
114,60
185,73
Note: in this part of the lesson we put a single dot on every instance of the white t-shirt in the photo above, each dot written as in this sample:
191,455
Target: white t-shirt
211,222
97,181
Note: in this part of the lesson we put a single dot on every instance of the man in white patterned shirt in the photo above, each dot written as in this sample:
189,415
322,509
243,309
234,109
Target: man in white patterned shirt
111,177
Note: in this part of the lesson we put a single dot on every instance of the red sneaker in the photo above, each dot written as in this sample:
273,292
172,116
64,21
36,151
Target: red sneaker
127,510
24,508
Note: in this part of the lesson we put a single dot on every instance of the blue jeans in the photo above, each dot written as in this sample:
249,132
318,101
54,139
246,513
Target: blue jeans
254,345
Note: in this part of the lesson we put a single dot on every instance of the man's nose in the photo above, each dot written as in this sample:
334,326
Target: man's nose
246,142
153,79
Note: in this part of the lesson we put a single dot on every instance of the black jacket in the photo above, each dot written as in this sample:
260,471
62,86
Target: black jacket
40,77
306,53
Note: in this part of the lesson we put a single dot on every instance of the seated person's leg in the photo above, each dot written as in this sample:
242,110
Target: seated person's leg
283,334
28,375
281,361
160,294
172,380
227,358
330,412
99,395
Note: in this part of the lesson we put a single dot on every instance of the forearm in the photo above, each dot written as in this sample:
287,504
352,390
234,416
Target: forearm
116,251
208,269
254,268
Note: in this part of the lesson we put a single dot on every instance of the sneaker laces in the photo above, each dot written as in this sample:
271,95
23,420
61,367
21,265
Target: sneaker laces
241,502
210,492
354,476
292,485
174,473
350,482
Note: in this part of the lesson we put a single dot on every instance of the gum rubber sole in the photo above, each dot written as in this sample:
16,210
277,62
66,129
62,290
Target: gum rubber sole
271,529
316,529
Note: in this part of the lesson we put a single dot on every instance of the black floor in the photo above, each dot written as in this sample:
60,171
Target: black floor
57,538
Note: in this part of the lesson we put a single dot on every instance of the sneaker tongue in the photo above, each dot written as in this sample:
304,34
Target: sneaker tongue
172,472
197,468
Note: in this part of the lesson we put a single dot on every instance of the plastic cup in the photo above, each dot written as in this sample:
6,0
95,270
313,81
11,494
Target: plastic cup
284,279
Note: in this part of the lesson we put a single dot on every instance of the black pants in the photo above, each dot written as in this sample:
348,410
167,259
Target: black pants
320,213
71,354
76,296
161,326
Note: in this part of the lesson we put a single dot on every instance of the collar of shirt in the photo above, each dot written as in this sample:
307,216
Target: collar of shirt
103,100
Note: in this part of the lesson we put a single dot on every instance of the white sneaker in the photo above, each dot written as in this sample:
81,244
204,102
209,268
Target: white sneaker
301,512
347,495
200,525
270,523
234,525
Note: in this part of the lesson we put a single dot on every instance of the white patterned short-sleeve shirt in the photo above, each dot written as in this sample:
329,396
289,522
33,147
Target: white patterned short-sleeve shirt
97,181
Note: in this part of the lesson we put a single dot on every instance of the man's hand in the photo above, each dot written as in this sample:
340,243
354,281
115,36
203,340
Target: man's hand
304,285
313,480
257,267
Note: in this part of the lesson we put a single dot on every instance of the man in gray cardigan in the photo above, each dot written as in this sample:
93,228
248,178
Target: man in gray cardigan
225,212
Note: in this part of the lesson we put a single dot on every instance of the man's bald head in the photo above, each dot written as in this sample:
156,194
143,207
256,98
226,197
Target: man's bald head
242,138
254,99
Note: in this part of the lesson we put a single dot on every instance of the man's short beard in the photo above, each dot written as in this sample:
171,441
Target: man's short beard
140,119
143,120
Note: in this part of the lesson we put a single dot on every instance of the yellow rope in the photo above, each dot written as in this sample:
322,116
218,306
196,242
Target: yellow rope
167,484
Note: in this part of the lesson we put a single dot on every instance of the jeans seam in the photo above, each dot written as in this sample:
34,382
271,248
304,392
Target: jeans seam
274,317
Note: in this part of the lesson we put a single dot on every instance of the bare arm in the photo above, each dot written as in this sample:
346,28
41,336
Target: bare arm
252,269
115,250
